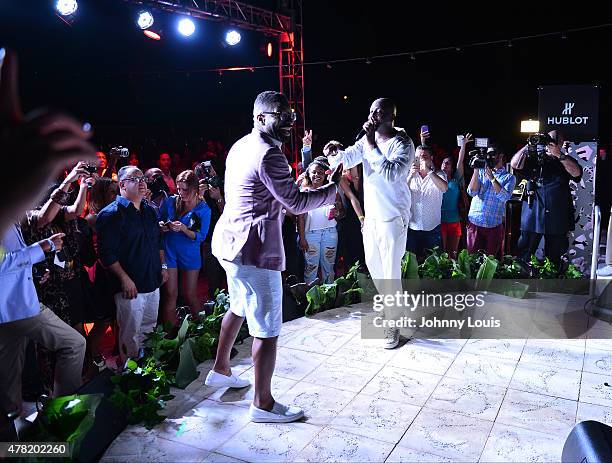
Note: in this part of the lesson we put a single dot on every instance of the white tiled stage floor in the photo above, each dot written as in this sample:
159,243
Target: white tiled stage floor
427,401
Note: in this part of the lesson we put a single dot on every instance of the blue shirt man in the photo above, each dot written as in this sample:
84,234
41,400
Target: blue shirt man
490,188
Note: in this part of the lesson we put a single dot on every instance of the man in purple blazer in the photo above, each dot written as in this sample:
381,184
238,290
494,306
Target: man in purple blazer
249,245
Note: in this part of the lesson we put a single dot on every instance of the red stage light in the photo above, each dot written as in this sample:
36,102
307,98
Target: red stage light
269,49
152,35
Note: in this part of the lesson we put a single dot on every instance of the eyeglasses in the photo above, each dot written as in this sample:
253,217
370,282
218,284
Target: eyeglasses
135,179
283,116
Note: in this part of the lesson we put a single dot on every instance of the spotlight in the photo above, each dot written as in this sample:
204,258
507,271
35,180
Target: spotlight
530,126
66,7
186,27
269,49
145,19
232,38
152,35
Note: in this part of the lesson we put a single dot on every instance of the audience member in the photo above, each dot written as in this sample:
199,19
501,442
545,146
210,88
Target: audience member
130,245
184,219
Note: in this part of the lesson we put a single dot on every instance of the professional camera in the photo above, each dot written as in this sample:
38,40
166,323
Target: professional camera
536,146
119,151
482,157
203,171
158,186
91,169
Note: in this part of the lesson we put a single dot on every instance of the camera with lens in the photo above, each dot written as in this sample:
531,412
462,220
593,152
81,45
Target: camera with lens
119,151
482,157
158,186
203,171
91,169
536,146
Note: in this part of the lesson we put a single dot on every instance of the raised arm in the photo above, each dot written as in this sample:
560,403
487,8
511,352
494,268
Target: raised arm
467,138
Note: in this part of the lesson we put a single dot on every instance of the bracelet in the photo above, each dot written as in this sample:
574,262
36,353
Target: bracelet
164,266
60,197
361,217
52,245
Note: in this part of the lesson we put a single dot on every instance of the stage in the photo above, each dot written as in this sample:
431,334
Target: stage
428,400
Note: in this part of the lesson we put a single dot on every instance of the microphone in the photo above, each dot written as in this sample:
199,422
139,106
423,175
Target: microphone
361,133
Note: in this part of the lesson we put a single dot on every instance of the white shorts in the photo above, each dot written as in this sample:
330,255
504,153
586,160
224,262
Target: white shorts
257,294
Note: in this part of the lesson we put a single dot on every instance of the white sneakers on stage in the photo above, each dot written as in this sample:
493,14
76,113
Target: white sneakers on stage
392,336
214,379
280,414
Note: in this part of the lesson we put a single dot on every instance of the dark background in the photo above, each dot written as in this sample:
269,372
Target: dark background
129,87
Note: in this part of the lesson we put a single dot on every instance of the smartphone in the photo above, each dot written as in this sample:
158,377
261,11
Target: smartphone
481,142
460,140
424,128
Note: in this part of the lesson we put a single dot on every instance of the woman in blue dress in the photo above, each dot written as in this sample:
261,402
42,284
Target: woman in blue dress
185,219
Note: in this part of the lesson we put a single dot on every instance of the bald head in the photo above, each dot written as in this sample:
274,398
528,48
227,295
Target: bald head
383,111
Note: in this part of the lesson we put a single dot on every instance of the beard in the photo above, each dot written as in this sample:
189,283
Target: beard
281,133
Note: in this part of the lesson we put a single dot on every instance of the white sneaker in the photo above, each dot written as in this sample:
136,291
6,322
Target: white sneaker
280,414
391,338
214,379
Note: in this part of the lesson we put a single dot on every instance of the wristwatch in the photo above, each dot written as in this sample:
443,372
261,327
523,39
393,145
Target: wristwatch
562,157
164,266
51,245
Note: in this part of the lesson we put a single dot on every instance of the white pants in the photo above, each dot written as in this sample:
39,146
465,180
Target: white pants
384,244
135,318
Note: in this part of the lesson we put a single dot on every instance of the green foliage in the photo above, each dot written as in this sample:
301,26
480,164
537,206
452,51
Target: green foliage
572,272
463,264
320,297
437,266
543,269
66,419
508,268
142,389
204,347
410,266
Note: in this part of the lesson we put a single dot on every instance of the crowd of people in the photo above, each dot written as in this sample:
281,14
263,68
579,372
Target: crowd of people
112,245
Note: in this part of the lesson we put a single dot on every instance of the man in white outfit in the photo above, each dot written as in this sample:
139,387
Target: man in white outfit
387,153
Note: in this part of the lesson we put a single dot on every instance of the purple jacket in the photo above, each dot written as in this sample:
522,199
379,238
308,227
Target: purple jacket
258,185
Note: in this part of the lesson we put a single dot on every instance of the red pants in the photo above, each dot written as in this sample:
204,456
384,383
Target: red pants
486,239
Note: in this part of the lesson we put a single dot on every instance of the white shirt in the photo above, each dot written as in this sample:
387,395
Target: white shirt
426,208
385,168
317,219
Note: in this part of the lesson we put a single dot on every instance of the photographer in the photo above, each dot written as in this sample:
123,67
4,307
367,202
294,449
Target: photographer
490,187
157,188
547,203
215,275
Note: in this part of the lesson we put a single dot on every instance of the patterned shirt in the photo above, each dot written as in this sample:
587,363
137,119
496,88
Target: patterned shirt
488,208
426,201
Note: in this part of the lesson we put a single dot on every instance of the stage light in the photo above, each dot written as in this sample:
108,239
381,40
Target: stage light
152,35
269,49
530,126
232,38
186,27
145,19
66,7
